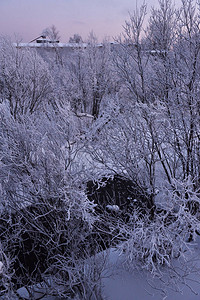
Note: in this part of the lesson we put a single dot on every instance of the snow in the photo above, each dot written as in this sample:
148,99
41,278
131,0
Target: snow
114,208
1,268
50,45
53,45
58,45
119,283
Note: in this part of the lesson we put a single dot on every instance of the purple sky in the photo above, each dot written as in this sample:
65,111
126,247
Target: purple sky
28,18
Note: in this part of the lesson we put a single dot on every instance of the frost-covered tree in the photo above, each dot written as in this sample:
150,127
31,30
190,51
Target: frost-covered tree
46,217
151,135
165,89
76,38
52,39
51,33
161,31
136,100
89,77
177,76
26,82
129,59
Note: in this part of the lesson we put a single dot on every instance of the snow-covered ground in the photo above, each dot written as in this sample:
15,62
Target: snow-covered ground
119,283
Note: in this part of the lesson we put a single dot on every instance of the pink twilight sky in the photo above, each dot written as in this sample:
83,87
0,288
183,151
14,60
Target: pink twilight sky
28,18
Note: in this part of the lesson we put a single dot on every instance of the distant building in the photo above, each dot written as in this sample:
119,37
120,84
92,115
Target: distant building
42,39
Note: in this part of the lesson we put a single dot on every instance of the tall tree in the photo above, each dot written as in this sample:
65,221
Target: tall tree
26,79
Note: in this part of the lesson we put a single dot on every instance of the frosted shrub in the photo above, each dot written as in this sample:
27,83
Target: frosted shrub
153,244
45,215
